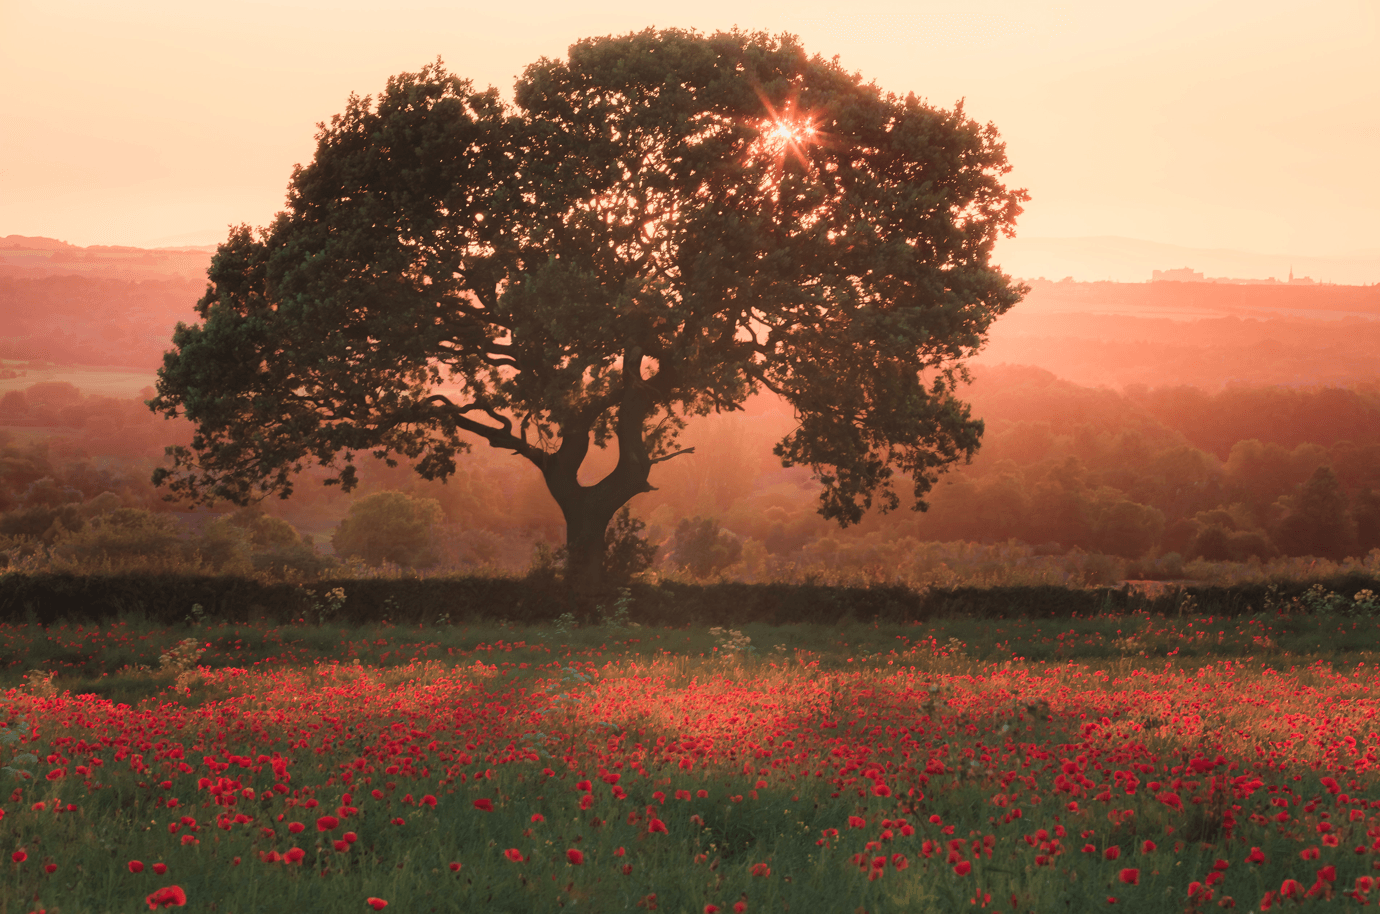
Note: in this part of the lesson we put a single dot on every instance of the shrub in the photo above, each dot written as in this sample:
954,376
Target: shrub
390,527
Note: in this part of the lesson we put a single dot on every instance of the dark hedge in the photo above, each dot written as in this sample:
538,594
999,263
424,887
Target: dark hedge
168,599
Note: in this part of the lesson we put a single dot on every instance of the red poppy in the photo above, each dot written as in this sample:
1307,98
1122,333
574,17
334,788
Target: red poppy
159,869
513,854
19,856
428,800
296,827
484,804
1112,852
326,823
574,856
1130,876
378,904
455,867
168,897
963,868
294,855
1255,856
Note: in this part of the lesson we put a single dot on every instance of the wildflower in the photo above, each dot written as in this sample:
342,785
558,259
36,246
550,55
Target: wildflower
168,897
761,869
378,904
296,828
1255,856
575,857
135,866
428,800
327,823
19,856
1148,847
856,822
294,855
159,869
1130,876
455,867
483,804
963,868
656,825
513,854
1291,888
739,907
50,868
1112,852
538,817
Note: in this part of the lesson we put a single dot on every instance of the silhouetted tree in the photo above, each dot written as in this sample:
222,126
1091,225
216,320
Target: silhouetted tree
1317,521
659,226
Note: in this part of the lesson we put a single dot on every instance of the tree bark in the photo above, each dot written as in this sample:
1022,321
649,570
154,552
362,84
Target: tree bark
589,509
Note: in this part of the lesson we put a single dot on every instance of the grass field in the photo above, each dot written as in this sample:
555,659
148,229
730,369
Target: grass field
1143,764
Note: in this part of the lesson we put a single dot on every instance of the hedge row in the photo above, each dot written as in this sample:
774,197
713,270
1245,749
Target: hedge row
168,599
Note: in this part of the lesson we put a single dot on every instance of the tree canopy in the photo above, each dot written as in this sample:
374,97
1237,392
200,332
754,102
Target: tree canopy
656,227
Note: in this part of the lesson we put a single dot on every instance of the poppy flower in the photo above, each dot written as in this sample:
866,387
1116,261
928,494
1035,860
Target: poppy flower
963,868
1130,876
484,804
159,869
428,800
513,854
575,857
296,827
19,856
455,867
327,823
1112,852
135,866
168,897
1255,856
378,904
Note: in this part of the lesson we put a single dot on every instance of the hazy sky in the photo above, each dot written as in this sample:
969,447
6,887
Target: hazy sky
1251,124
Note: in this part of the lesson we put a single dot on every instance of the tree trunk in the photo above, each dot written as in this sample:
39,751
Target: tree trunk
588,509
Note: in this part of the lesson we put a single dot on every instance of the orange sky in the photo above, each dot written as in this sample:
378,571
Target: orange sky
1250,124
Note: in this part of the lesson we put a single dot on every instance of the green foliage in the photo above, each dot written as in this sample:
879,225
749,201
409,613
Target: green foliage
702,549
123,538
656,228
390,527
626,552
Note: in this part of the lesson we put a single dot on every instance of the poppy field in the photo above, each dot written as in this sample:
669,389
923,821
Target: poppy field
1146,765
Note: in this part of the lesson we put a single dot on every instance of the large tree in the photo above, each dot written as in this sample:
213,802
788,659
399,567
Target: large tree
657,227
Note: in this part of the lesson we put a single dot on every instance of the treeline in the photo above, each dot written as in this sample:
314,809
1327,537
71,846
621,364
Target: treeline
1160,475
1150,479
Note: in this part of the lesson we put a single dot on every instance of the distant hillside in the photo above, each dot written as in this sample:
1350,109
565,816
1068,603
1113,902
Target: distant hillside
1132,260
30,258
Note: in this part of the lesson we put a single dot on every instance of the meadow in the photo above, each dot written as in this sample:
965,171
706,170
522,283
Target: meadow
1132,762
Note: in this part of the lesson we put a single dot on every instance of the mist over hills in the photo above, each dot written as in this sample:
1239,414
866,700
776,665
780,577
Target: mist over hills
1116,259
1132,418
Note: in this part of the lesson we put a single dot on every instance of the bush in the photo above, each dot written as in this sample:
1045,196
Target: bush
390,527
702,549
